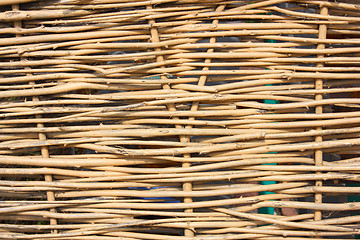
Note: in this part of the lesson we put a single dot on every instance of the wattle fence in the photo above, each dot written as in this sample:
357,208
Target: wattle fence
179,119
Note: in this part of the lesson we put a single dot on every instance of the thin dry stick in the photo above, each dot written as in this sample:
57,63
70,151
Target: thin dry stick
171,106
42,137
319,110
194,107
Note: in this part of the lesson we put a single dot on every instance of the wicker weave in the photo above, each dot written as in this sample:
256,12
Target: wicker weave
179,119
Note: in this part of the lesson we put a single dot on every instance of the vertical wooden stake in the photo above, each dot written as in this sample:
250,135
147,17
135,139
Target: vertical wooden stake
319,110
188,232
42,137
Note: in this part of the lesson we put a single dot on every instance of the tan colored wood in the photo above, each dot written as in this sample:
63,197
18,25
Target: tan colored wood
110,107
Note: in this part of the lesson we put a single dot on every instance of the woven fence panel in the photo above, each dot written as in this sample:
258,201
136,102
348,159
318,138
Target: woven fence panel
179,119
